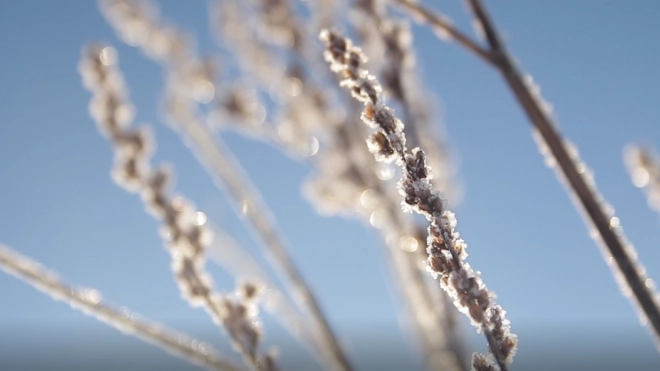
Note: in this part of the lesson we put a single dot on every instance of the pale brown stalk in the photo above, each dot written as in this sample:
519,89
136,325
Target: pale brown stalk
444,29
342,178
90,302
182,227
179,61
609,232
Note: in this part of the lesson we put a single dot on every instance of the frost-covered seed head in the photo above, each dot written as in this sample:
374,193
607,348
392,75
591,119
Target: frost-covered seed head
381,147
445,249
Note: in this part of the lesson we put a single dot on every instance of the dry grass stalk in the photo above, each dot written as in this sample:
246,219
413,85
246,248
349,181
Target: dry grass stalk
402,82
138,24
182,227
303,111
605,228
90,302
443,27
276,53
236,261
392,38
446,251
344,186
342,179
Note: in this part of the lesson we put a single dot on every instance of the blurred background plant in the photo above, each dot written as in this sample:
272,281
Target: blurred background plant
260,111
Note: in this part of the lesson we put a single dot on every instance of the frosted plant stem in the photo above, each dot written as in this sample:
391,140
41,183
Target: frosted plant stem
431,319
89,301
446,251
441,349
628,272
402,82
609,233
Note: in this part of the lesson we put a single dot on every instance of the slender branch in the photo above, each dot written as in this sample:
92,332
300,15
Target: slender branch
607,226
89,301
445,29
570,168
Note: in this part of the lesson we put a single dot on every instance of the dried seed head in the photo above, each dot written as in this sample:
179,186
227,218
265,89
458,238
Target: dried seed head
381,147
248,291
446,250
483,363
369,112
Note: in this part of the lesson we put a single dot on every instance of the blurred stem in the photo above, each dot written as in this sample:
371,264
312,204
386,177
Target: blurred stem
442,24
89,302
226,169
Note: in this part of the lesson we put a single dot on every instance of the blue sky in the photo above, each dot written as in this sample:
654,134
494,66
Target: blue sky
596,62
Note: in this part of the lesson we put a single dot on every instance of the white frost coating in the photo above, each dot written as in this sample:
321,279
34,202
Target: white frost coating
90,302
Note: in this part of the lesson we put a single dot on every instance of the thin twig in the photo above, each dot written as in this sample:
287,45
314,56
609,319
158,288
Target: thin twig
89,301
607,227
609,233
445,29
